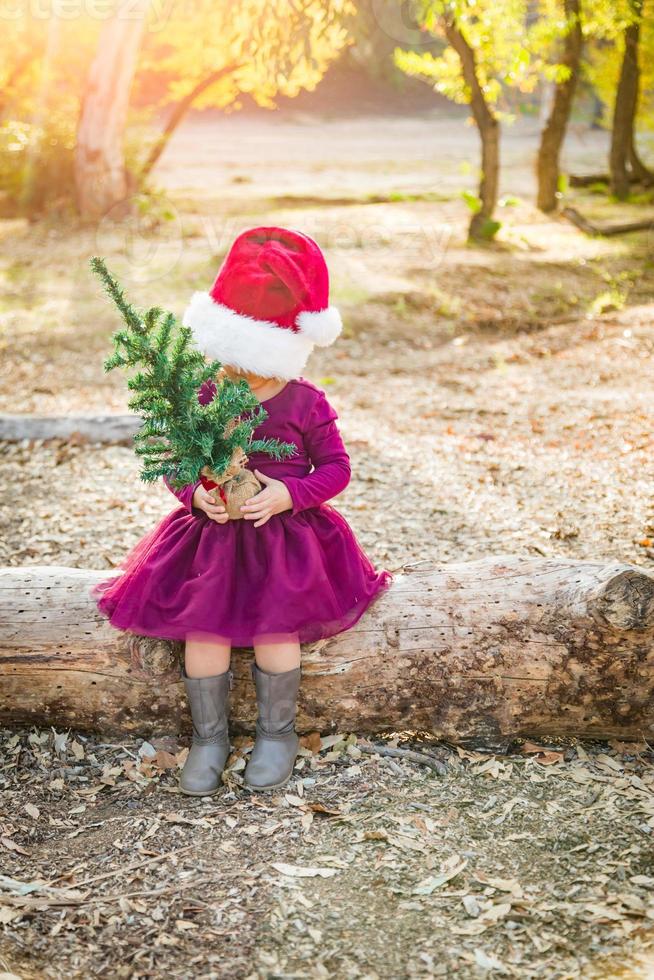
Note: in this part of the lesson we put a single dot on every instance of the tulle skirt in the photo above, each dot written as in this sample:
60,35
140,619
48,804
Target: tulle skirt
303,574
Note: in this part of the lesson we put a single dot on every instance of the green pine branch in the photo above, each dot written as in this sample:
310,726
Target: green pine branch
178,435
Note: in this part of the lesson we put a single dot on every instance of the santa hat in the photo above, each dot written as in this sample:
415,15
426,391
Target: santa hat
269,305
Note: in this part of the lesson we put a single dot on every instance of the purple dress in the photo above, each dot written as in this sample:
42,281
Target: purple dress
302,572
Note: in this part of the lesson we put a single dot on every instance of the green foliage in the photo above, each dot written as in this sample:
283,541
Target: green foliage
608,301
485,230
604,28
37,169
495,30
36,165
179,435
488,230
472,200
43,63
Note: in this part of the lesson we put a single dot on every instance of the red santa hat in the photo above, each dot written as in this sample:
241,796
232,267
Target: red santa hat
269,305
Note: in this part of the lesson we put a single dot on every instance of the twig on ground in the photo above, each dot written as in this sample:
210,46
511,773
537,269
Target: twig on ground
408,755
130,867
41,904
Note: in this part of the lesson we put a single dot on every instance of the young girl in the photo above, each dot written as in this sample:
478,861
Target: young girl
291,571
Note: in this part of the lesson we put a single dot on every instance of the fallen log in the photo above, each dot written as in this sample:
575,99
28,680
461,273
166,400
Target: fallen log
591,228
502,646
588,180
94,428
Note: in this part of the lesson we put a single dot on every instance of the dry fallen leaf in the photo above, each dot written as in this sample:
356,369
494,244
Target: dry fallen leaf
644,880
470,928
489,962
428,885
546,757
60,741
294,800
495,912
164,760
375,835
312,742
471,905
12,846
327,811
306,820
502,884
294,871
8,915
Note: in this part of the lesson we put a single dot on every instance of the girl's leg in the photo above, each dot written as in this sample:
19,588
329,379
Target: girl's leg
275,654
276,673
206,654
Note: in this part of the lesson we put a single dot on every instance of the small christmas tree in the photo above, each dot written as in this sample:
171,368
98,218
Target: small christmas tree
180,439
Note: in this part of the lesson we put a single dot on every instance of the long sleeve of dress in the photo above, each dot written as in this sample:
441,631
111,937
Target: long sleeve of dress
329,458
185,493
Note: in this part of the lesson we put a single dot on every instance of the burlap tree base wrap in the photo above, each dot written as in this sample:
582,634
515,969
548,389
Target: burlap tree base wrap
235,485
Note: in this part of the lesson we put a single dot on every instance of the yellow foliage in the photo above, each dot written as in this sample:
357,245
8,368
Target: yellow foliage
279,46
283,46
604,59
275,47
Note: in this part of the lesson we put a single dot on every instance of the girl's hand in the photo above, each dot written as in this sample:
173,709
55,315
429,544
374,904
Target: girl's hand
273,499
203,500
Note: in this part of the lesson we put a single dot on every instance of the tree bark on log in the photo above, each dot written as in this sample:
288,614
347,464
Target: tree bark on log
547,167
485,649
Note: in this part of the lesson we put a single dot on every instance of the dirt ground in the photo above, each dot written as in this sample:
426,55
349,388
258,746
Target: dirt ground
493,400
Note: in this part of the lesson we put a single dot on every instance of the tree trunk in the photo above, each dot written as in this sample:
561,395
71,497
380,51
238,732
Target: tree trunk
554,132
626,104
545,102
503,646
179,111
100,175
640,174
482,226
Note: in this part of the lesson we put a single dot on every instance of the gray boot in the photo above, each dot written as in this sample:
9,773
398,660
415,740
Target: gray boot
208,700
275,748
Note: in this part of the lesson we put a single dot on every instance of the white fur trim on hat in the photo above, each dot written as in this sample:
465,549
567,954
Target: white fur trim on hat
258,346
323,327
